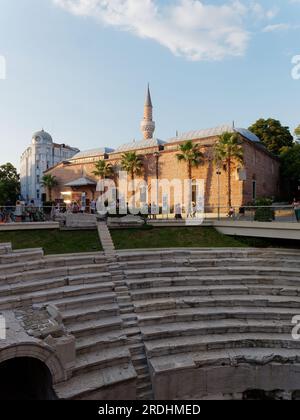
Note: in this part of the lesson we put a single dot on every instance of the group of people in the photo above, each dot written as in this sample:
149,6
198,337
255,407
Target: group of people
75,207
20,211
7,212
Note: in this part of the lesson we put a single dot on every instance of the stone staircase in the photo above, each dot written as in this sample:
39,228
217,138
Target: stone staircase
129,318
202,309
81,287
186,323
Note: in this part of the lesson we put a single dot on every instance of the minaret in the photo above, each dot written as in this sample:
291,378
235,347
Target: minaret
148,125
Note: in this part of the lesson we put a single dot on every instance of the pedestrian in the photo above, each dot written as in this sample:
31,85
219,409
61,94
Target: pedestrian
296,206
231,213
8,211
31,210
93,206
18,212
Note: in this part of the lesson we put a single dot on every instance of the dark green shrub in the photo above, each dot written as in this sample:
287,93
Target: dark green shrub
265,213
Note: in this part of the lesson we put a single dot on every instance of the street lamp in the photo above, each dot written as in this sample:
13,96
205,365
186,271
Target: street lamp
157,156
219,173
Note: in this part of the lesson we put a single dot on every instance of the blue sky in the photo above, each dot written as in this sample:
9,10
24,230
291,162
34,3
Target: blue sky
79,68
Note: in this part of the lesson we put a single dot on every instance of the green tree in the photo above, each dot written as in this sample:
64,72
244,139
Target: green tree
190,153
9,183
272,134
290,167
228,150
132,163
297,132
49,182
103,170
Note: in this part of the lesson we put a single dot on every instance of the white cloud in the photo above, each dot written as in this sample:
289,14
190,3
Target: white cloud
189,28
279,27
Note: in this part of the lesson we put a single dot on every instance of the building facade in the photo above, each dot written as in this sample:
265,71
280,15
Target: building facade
41,155
258,176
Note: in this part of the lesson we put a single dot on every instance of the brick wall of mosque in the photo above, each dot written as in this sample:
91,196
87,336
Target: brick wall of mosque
260,168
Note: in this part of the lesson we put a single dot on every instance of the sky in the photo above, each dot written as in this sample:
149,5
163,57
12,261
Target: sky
79,68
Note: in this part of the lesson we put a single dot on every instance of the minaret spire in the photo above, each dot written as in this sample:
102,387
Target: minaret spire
148,125
148,98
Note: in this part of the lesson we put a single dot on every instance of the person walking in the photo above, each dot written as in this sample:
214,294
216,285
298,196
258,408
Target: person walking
296,206
18,212
8,211
93,206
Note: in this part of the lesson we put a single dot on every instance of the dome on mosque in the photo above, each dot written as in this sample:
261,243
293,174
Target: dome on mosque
42,137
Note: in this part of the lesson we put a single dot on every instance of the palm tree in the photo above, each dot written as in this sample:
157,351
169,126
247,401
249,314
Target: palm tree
49,182
103,170
132,164
190,153
228,150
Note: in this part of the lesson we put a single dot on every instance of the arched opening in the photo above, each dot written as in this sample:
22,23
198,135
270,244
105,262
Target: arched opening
25,378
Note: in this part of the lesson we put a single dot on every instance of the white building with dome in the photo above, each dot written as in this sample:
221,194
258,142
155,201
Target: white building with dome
41,155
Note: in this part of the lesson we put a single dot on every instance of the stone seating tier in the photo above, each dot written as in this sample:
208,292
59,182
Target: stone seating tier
211,322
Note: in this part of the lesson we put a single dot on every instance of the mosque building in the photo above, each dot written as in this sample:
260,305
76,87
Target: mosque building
258,176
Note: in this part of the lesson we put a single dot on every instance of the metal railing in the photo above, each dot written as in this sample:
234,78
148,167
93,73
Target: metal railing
275,213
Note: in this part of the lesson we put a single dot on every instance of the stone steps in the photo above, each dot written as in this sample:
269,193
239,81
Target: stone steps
253,262
50,262
87,328
99,340
209,327
83,299
98,359
137,349
50,284
212,271
169,309
52,273
210,262
167,254
146,396
23,288
143,389
141,368
5,248
64,297
106,239
212,280
84,386
26,255
170,346
102,277
217,301
87,313
178,291
219,313
226,357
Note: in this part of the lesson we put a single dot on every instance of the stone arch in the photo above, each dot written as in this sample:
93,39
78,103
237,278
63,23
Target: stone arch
42,353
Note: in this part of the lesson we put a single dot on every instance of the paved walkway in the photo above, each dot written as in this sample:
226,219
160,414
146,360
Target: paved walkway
106,240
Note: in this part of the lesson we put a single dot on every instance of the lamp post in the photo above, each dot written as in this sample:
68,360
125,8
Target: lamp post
219,173
157,156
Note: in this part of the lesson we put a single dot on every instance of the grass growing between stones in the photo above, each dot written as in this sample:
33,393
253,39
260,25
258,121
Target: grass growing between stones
172,237
54,241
